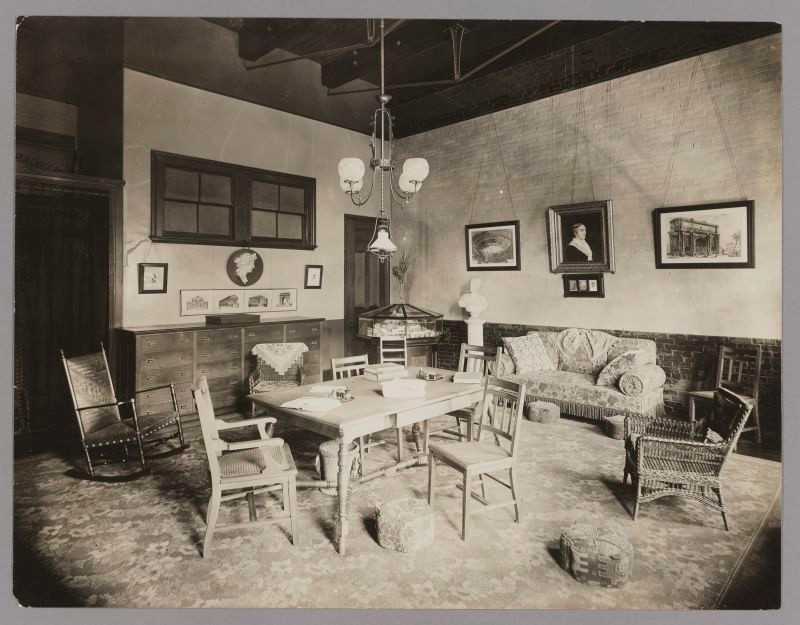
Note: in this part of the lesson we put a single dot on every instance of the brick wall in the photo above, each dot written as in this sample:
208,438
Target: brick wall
689,361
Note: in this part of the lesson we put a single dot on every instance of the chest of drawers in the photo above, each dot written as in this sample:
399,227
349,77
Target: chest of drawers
151,356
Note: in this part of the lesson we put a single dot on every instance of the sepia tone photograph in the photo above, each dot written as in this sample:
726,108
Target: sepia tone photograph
219,440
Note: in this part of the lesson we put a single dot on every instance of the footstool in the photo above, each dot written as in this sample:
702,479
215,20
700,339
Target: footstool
404,524
597,555
614,426
543,412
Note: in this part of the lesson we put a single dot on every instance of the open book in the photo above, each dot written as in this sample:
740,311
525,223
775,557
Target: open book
312,404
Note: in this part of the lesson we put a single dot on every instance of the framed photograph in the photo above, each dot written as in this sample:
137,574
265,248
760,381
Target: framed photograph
229,300
283,299
493,246
313,277
583,285
197,302
581,237
257,300
705,236
152,277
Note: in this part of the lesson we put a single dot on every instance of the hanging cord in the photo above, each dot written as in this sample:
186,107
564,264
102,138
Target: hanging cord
478,179
586,142
575,147
608,158
725,138
678,134
503,164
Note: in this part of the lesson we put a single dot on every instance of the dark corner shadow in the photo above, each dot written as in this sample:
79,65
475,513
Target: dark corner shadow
35,585
625,494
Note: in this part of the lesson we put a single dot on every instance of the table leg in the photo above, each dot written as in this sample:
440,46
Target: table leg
343,487
475,417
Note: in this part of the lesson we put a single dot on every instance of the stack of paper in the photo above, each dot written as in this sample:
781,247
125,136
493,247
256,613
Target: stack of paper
403,388
468,377
312,404
385,371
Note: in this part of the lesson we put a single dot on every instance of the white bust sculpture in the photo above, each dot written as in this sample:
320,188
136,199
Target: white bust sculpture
473,302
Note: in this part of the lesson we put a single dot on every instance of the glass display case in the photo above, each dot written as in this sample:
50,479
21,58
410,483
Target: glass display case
406,320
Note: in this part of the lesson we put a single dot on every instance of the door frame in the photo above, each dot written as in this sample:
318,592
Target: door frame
349,294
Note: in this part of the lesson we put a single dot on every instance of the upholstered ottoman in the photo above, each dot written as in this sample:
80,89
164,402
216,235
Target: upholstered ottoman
597,555
543,412
404,524
327,464
614,426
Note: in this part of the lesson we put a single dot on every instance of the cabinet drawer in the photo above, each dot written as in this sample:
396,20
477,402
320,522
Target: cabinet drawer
224,399
160,360
300,330
263,334
232,384
182,392
311,358
214,353
161,342
232,337
311,342
154,377
185,406
218,369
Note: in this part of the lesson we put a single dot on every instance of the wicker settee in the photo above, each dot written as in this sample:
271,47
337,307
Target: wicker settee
572,380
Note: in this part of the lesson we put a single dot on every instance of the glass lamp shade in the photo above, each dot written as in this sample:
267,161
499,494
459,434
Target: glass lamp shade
346,186
406,184
381,244
416,169
351,169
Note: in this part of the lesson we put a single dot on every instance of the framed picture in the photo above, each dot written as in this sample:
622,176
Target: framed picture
313,277
197,302
493,246
245,267
705,236
229,300
581,237
152,277
283,299
257,300
583,285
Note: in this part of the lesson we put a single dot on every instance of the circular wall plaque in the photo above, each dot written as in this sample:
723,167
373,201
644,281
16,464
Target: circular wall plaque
245,267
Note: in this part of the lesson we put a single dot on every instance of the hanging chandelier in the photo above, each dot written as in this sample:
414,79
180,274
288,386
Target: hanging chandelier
352,170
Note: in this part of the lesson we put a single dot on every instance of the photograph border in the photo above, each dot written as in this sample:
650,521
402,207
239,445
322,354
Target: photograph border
601,289
513,223
556,243
183,309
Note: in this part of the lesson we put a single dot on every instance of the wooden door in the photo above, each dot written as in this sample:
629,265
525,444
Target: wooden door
366,279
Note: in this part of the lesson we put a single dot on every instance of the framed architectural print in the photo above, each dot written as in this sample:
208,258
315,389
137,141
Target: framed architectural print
152,277
257,300
229,300
583,285
493,246
705,236
283,299
313,277
197,302
581,237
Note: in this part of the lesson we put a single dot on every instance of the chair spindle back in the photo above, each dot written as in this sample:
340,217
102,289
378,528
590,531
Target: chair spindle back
501,410
349,366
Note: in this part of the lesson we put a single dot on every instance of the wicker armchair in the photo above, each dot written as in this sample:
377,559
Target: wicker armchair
266,378
668,457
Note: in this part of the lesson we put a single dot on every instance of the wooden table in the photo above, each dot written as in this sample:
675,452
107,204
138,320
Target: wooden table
369,413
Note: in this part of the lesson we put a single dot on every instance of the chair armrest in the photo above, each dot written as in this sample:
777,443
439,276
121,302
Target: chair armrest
253,444
259,422
108,405
684,450
660,427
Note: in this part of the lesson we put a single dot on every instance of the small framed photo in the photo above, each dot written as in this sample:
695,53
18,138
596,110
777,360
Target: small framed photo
197,302
229,300
493,246
152,277
313,277
283,299
581,237
257,300
583,285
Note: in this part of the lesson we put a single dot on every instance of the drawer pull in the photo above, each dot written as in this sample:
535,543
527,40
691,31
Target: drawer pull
184,340
251,334
150,343
150,378
150,395
184,374
204,371
186,357
206,339
205,355
150,361
234,353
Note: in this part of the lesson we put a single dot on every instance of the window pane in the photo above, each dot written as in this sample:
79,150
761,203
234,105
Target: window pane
216,189
290,226
262,224
180,217
180,184
214,220
292,200
265,195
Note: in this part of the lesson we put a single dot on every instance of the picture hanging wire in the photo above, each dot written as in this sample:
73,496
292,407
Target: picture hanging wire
478,177
502,164
581,116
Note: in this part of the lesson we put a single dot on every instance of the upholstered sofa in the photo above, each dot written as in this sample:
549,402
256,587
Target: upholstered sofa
566,373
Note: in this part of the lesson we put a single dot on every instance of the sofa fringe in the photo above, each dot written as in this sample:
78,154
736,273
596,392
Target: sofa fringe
650,408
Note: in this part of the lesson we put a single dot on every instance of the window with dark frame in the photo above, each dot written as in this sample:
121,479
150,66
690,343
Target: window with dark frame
208,202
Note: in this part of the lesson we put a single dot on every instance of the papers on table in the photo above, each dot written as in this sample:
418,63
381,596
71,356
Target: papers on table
403,387
327,390
312,404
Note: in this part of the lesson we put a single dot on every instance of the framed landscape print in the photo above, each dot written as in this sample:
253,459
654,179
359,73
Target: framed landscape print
583,285
705,236
493,246
152,277
581,237
257,300
197,302
229,300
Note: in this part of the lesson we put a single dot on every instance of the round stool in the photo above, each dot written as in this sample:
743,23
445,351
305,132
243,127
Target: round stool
597,555
614,426
404,524
543,412
328,467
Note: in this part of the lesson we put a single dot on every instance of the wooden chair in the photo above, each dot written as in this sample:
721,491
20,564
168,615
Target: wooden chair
97,411
393,349
738,370
684,458
473,358
477,458
247,468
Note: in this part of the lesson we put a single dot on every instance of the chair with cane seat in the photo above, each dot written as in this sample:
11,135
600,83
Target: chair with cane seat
244,468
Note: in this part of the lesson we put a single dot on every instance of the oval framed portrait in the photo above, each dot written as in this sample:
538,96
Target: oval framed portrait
245,267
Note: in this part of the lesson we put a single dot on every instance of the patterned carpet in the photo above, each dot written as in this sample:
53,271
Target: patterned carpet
137,544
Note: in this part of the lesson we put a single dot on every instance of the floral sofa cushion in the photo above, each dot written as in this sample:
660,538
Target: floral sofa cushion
528,353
